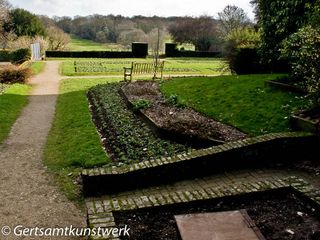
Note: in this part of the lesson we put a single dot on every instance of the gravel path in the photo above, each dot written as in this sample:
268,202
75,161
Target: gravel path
28,195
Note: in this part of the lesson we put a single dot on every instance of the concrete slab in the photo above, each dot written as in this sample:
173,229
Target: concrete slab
229,225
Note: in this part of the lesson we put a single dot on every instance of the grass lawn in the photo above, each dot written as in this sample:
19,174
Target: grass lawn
78,44
12,100
242,101
199,66
37,67
73,142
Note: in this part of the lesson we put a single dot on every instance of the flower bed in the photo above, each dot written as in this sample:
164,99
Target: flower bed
125,137
166,115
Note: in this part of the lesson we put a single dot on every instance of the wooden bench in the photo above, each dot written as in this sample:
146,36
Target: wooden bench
143,68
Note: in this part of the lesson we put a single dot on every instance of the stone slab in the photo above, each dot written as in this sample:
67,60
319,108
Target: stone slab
217,226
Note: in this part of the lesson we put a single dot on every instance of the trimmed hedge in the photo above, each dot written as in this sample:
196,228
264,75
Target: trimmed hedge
88,54
140,50
17,56
172,51
14,74
245,61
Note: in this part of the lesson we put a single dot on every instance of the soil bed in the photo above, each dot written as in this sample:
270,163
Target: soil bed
279,214
185,121
124,136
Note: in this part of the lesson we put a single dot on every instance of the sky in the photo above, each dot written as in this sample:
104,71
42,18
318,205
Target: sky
163,8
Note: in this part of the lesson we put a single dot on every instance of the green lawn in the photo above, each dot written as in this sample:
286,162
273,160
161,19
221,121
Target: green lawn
172,66
242,101
14,98
78,44
37,67
73,142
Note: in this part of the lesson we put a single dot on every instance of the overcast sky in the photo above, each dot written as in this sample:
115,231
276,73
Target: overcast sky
130,8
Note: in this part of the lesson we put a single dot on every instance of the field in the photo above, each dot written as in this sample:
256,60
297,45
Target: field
242,101
172,66
78,44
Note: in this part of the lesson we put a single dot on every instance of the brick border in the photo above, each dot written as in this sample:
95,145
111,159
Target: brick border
252,152
100,212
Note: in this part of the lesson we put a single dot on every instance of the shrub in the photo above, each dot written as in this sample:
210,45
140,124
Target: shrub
241,51
21,55
5,56
14,74
302,49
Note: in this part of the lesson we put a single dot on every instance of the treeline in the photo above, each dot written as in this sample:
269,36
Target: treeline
205,32
19,28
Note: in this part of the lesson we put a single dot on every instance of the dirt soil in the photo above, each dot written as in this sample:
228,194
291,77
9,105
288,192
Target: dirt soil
184,121
28,194
280,215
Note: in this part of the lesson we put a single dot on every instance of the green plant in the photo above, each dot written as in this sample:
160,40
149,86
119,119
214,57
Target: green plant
127,138
141,104
302,49
278,20
240,49
21,55
172,99
14,74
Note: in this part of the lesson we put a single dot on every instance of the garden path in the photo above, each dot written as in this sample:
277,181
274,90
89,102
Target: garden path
28,195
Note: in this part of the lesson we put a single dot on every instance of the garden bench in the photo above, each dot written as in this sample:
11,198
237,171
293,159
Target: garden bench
143,68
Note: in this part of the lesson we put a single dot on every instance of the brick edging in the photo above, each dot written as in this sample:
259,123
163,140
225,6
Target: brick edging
251,152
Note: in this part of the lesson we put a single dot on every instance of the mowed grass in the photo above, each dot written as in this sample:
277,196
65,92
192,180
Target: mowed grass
73,142
78,44
242,101
172,66
37,67
12,100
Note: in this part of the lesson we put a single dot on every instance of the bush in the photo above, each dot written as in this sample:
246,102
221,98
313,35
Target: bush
14,74
241,52
20,55
5,56
302,49
245,61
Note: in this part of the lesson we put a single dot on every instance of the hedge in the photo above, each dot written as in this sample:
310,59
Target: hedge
172,51
88,54
17,56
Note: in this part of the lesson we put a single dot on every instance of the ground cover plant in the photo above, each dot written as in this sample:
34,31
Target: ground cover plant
276,214
12,100
125,137
242,101
78,67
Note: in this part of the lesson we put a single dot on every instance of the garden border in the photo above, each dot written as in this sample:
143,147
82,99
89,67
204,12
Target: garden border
251,152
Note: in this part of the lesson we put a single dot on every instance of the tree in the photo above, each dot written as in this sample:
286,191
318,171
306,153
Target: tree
278,20
57,39
231,18
5,36
24,23
201,31
303,52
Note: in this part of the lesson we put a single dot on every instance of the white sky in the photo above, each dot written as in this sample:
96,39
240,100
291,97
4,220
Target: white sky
129,8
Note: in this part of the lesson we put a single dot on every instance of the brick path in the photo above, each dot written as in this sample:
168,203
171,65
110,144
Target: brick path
215,186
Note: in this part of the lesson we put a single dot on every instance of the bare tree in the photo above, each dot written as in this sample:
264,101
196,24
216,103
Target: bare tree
231,18
57,39
5,36
201,31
